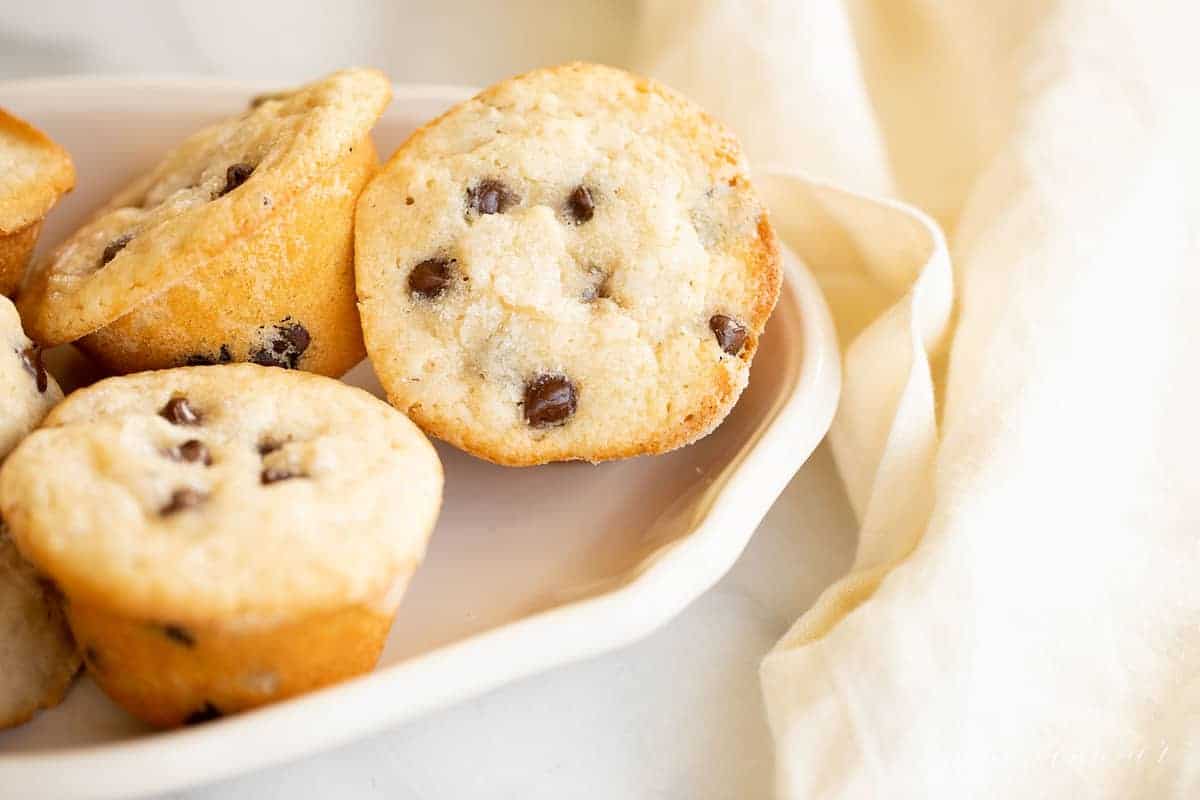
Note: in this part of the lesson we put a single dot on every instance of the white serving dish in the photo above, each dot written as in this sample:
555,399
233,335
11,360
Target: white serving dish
528,568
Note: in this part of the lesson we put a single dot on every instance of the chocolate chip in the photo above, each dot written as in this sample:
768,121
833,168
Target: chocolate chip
268,445
297,336
266,358
275,474
730,333
204,360
207,713
31,359
179,635
114,247
292,339
430,278
284,346
580,204
192,451
182,500
235,176
490,196
179,411
549,400
599,286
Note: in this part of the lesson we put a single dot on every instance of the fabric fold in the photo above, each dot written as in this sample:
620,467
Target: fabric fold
1017,431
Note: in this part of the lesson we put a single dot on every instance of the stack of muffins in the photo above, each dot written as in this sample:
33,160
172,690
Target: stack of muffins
571,265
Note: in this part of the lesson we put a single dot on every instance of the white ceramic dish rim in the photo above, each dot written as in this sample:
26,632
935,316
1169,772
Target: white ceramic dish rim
661,587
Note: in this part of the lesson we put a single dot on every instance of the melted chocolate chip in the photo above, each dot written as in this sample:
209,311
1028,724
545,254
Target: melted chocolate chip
296,337
182,500
204,360
207,713
284,346
31,359
549,400
490,196
430,278
266,358
114,247
179,635
179,411
581,205
268,445
235,176
276,474
192,451
730,333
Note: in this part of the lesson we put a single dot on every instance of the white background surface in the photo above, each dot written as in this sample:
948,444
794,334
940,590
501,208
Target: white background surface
678,715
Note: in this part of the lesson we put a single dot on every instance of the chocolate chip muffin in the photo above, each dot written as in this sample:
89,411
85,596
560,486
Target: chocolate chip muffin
37,656
225,536
571,265
34,173
27,390
38,659
238,246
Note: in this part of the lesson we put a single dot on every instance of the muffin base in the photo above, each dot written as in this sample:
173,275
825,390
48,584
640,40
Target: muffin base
296,270
170,674
15,250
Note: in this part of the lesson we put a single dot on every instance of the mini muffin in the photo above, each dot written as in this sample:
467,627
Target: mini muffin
37,656
225,536
571,265
34,173
238,246
27,390
38,659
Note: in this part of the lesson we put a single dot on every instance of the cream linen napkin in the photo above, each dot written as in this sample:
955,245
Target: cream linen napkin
1018,434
